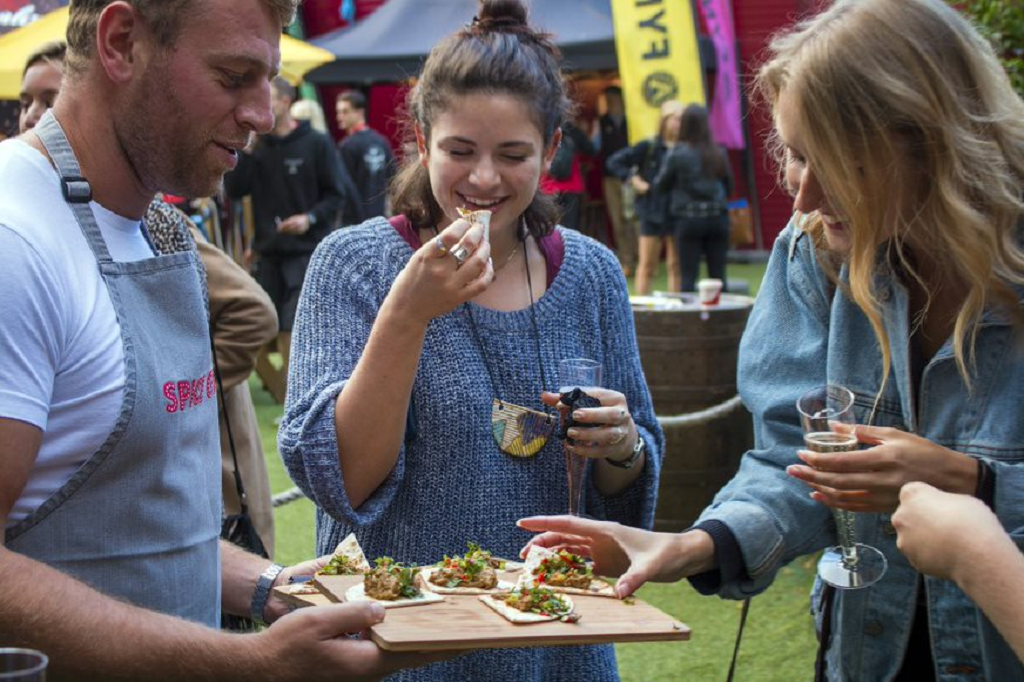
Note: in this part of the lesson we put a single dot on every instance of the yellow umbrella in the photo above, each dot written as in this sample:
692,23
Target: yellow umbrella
297,57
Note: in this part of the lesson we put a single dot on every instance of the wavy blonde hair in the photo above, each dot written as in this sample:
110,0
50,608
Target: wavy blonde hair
917,137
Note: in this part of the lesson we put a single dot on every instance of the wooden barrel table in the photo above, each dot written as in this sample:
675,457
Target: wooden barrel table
689,354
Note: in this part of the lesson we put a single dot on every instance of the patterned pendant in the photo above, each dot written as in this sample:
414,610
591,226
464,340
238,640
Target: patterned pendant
519,431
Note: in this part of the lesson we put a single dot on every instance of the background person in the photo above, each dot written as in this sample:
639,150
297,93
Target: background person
295,179
958,538
564,177
366,154
613,135
639,166
311,111
400,351
40,83
110,501
900,278
696,177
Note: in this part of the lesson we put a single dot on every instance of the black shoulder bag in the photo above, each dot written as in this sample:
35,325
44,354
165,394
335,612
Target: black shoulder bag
237,529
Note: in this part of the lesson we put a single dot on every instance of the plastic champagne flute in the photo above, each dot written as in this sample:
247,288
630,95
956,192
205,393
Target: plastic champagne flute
850,565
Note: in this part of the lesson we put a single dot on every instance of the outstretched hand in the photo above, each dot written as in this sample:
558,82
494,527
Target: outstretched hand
638,556
870,480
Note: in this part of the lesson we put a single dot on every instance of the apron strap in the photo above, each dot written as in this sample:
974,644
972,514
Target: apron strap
75,188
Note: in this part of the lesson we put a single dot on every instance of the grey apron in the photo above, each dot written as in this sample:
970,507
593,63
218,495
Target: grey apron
141,518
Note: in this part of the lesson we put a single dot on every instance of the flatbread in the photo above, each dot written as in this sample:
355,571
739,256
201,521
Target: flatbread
425,574
358,593
537,554
483,216
514,615
349,548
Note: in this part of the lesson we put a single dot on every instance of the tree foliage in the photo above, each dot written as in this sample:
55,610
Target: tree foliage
1002,22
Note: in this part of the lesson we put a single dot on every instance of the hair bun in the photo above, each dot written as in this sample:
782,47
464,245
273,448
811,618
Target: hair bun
501,16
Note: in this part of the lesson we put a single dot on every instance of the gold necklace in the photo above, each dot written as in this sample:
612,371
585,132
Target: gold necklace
509,259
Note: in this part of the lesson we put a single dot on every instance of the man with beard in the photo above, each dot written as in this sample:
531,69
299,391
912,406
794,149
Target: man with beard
111,561
298,190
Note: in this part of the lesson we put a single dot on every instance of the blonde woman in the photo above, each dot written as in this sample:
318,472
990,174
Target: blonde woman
639,165
901,278
310,110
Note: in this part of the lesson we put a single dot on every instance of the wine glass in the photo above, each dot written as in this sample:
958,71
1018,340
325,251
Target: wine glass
581,373
850,565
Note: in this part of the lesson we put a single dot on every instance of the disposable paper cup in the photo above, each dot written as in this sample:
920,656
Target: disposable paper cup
709,291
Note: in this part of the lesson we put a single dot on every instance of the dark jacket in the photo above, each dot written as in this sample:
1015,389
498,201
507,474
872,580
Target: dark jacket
613,138
692,192
643,159
286,176
370,163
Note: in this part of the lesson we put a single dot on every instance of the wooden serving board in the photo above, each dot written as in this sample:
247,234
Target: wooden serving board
462,622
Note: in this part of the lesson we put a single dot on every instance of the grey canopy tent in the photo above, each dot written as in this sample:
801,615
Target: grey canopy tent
391,43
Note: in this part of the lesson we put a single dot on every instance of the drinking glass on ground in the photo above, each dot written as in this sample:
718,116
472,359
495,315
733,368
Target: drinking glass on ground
23,665
850,565
581,373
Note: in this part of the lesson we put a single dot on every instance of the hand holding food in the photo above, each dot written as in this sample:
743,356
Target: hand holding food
448,270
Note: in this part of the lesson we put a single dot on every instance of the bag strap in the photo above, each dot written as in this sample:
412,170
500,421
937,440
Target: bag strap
227,427
739,638
827,597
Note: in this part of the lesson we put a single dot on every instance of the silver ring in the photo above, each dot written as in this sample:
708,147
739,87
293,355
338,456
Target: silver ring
619,438
440,245
460,253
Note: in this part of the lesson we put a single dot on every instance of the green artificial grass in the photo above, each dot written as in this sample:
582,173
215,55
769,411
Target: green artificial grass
779,642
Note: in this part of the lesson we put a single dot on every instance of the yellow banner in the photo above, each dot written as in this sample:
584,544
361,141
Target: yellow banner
659,59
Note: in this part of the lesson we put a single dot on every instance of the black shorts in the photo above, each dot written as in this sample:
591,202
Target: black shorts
281,277
649,229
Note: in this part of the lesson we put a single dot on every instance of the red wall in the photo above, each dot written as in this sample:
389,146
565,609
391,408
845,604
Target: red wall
756,21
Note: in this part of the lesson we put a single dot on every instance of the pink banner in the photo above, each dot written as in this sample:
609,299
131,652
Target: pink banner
724,113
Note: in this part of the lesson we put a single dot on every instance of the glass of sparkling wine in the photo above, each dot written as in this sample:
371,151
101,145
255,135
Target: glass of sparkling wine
850,565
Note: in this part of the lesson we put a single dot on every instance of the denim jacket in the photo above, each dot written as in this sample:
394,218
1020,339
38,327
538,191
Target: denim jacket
801,335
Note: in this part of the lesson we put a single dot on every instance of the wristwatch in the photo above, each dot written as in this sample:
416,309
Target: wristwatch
262,592
633,458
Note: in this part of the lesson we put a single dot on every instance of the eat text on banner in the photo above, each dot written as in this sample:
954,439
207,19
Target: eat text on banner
659,60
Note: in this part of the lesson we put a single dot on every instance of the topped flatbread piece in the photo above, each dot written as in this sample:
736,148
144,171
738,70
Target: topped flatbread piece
475,572
562,571
483,216
532,605
348,559
392,584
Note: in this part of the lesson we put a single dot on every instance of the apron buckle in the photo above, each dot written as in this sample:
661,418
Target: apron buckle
76,189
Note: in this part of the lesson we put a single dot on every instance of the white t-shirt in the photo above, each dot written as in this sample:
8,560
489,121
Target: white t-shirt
61,358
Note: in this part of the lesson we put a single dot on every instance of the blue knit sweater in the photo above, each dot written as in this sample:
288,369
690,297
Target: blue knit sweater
451,483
